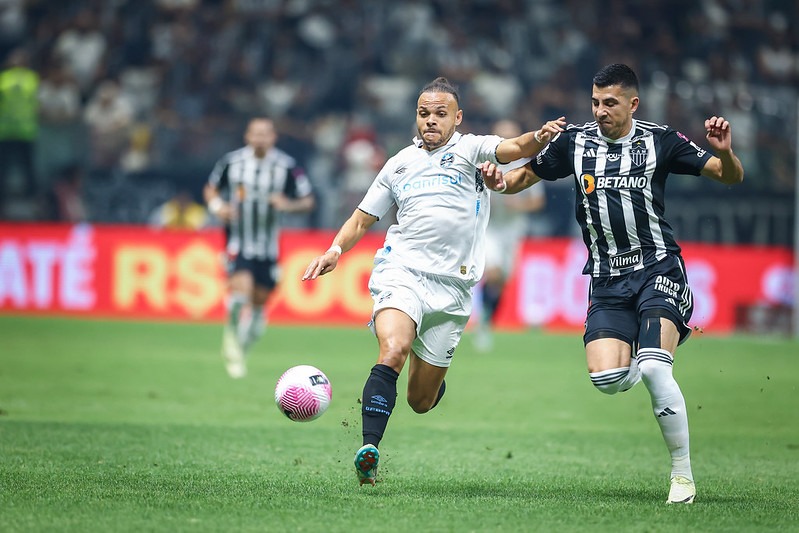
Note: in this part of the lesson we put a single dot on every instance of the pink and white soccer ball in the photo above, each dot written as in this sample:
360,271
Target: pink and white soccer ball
303,393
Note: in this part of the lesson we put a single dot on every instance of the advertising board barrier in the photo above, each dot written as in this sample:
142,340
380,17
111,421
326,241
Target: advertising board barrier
137,272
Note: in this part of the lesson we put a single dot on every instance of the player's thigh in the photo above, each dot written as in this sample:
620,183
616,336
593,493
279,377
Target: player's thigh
241,281
607,353
610,333
261,295
666,296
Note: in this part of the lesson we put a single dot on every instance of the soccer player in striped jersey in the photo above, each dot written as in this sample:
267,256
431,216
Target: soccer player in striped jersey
431,259
247,190
639,301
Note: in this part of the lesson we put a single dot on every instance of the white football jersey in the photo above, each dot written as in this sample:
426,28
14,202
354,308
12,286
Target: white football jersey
442,206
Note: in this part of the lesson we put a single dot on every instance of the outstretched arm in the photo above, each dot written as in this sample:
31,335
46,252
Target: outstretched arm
530,143
347,237
725,165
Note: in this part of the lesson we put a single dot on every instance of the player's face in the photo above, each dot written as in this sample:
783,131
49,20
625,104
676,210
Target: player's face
437,115
613,109
260,135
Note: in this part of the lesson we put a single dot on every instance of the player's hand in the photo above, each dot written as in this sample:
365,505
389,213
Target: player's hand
321,265
718,134
550,128
492,176
226,213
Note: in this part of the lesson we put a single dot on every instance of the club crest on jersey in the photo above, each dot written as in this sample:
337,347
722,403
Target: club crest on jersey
447,160
638,154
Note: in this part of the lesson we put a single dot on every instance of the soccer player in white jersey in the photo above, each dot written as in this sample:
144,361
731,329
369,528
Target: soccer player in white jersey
432,257
639,300
247,190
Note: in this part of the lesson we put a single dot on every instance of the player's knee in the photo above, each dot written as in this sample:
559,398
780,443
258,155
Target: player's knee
393,353
610,388
421,403
610,381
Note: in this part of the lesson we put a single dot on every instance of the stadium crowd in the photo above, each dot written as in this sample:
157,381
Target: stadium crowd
137,98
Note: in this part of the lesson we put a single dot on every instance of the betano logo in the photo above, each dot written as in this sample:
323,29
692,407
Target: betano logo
590,183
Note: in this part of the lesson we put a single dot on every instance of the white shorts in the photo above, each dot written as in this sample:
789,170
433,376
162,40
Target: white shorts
439,305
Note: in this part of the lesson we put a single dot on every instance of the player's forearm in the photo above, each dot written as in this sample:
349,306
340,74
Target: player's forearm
520,179
525,145
732,171
301,205
353,230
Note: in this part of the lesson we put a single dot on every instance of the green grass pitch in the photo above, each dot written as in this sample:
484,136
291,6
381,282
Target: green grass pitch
130,426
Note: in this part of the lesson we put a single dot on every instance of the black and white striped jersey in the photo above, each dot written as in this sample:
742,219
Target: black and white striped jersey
247,183
620,188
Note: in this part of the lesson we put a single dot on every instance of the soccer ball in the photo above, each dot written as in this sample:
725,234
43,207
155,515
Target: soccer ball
303,393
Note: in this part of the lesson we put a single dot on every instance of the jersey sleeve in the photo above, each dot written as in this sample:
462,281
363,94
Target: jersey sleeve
297,183
553,162
219,178
379,198
482,147
685,156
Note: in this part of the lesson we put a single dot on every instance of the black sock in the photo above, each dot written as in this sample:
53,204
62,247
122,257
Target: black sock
379,397
441,390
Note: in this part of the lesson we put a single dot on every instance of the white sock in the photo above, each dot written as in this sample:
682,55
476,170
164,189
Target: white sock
668,405
616,380
255,326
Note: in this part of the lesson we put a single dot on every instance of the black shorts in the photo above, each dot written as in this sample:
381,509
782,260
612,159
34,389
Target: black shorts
616,305
264,271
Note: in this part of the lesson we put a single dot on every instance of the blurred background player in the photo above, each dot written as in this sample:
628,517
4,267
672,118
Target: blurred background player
509,224
431,259
639,299
247,190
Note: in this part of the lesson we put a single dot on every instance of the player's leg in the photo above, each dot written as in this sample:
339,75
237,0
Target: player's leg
253,325
395,332
446,309
658,339
666,306
426,385
240,287
610,330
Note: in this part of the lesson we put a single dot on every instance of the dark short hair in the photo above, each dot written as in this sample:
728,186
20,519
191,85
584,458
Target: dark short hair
616,74
441,85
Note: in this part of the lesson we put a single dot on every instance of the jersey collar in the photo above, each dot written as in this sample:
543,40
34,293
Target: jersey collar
627,137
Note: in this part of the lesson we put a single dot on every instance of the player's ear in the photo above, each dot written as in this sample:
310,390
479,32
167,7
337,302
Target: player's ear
459,117
634,104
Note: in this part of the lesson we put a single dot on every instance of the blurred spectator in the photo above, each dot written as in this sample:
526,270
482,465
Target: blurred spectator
180,212
194,70
361,158
65,201
19,124
12,24
109,116
59,97
81,47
